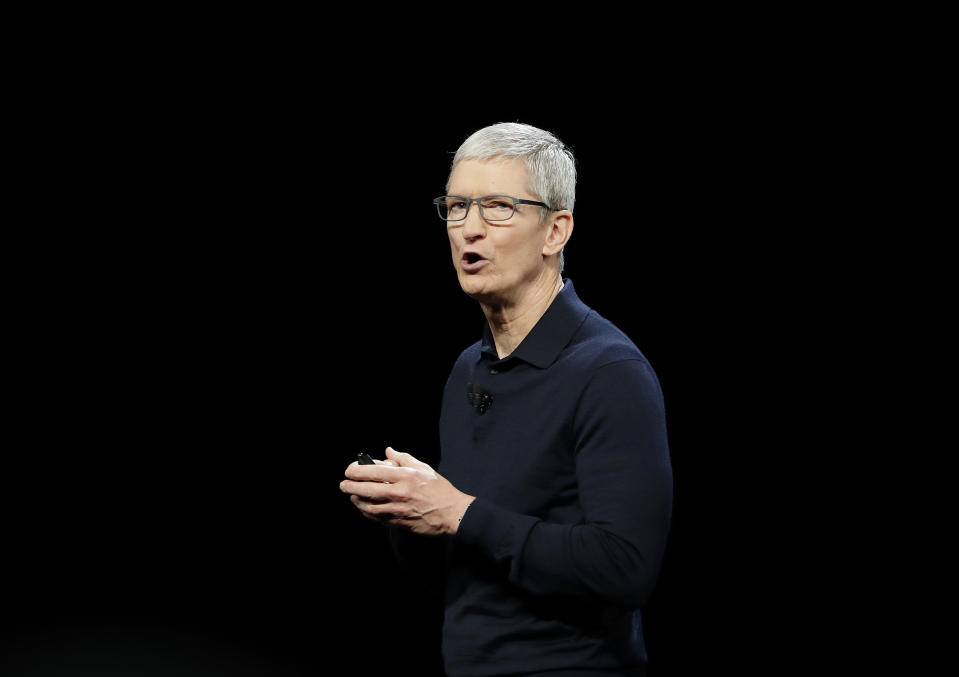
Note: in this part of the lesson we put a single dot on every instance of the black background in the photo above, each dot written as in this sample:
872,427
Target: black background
243,284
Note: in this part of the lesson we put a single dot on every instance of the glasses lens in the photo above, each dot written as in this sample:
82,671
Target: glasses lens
497,207
451,207
455,207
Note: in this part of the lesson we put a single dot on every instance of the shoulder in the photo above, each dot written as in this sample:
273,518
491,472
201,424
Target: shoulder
466,360
599,343
469,355
618,382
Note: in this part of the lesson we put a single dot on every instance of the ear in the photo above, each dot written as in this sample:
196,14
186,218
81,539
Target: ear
560,229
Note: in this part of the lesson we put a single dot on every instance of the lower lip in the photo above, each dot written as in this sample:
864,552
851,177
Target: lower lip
473,267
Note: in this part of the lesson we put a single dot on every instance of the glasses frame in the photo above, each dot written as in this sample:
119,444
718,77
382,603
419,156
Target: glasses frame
470,200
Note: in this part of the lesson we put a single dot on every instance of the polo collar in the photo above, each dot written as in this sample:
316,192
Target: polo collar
551,333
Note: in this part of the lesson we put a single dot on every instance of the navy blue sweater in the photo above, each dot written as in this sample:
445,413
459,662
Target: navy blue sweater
563,443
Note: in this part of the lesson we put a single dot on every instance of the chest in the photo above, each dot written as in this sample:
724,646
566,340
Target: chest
518,449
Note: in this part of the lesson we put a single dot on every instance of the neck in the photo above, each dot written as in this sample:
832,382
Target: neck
510,321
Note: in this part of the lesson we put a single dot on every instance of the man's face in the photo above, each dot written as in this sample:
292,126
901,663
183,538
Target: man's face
495,261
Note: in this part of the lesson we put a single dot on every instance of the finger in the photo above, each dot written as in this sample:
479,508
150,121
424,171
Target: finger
402,459
375,491
382,512
385,472
371,508
363,505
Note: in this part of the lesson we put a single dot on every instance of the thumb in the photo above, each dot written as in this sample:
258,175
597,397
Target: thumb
403,459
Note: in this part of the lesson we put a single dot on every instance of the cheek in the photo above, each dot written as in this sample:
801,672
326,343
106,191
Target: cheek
520,252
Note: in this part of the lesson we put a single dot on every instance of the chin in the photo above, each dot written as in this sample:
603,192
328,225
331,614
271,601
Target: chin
469,287
474,288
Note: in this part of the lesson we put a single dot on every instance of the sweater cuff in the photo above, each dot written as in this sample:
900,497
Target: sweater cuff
497,532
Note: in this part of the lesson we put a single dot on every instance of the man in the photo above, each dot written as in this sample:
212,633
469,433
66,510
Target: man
550,517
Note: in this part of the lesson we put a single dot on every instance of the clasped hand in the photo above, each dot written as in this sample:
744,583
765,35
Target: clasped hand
405,492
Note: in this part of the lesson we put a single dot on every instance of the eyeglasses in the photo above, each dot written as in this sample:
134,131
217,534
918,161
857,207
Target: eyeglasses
492,207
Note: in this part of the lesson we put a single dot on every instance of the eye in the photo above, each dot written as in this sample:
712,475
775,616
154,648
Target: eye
498,204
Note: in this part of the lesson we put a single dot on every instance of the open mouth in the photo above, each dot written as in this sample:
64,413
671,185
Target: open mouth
473,262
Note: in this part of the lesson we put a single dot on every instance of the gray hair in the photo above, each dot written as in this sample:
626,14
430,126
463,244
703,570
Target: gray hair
550,164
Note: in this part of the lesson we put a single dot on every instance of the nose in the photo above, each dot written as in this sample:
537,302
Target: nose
474,227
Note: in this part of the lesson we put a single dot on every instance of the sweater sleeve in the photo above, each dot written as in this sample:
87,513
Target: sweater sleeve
625,484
